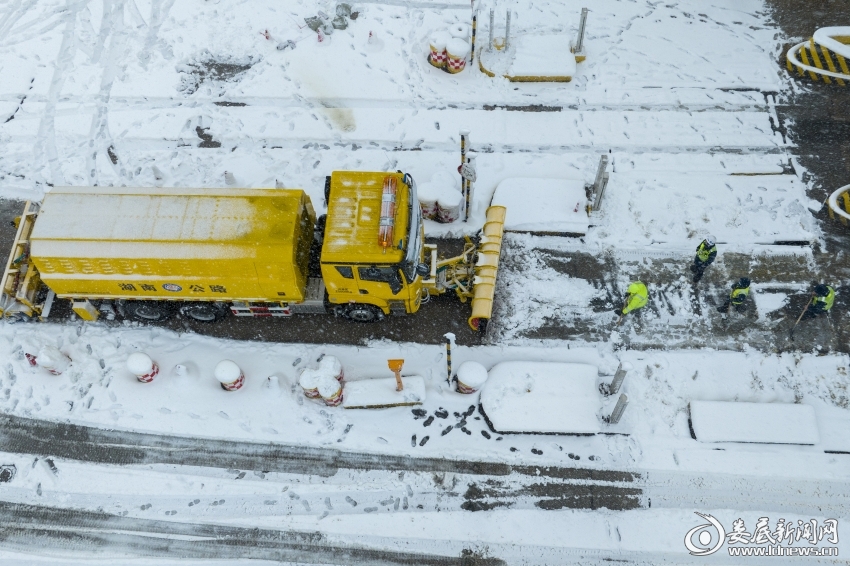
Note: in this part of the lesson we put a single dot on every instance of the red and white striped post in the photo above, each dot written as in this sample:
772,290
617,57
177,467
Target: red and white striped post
53,360
229,375
142,366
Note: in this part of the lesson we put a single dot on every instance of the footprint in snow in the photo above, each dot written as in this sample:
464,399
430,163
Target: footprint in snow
224,415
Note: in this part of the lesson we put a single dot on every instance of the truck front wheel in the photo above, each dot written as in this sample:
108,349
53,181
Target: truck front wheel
148,311
363,313
203,312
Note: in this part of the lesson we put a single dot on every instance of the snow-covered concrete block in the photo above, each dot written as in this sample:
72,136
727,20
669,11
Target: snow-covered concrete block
763,423
380,393
543,205
543,56
542,397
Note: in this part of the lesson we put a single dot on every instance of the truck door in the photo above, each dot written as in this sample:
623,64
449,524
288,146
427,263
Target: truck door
380,283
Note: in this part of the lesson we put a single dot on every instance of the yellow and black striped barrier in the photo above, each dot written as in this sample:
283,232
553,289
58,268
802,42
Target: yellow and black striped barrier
834,208
825,57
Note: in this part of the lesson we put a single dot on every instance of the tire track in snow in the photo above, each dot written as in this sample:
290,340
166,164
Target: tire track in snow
25,527
91,444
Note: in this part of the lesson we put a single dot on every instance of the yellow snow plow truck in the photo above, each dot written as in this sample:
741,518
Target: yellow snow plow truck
146,254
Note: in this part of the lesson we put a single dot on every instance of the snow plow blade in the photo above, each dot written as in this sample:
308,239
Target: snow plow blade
21,281
486,267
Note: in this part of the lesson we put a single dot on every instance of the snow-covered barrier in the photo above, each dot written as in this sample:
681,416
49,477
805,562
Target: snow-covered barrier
381,393
542,398
762,423
647,207
825,56
531,58
543,205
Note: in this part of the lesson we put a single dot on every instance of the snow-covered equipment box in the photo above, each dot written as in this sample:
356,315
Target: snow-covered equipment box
531,58
381,393
547,206
542,398
761,423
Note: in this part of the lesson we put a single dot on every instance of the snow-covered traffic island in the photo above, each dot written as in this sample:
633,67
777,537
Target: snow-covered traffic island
561,430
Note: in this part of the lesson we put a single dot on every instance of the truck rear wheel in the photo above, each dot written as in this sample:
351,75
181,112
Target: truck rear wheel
363,313
203,312
148,311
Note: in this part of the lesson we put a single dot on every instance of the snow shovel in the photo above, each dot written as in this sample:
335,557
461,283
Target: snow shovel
395,367
620,320
799,318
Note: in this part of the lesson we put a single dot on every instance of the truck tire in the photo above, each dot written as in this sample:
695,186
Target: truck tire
204,312
360,312
148,311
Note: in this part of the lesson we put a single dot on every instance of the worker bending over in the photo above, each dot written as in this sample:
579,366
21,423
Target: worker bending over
738,297
635,297
822,300
706,252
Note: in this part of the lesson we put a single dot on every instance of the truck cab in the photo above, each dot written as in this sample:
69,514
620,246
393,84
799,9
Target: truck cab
372,245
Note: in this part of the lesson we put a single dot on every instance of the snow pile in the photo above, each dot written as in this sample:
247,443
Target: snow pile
543,205
542,397
767,423
648,208
542,55
440,198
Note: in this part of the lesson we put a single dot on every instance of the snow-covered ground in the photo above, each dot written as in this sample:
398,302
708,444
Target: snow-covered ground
681,96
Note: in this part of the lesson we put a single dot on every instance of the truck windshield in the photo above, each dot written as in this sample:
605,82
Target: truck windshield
414,237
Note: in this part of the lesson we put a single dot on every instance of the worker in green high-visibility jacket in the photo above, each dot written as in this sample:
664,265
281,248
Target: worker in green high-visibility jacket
636,297
738,297
706,252
822,301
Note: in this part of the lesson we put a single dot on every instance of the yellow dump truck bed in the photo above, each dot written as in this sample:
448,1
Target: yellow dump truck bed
197,244
354,219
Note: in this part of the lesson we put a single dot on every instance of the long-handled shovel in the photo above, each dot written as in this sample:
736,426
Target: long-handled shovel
395,367
619,320
799,318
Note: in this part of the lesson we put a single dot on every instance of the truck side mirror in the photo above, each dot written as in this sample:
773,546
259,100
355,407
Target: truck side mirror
395,283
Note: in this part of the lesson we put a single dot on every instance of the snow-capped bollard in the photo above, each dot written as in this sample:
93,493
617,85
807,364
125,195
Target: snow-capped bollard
470,377
457,51
331,390
619,409
142,366
460,31
332,366
309,382
229,375
449,339
619,376
53,360
437,44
